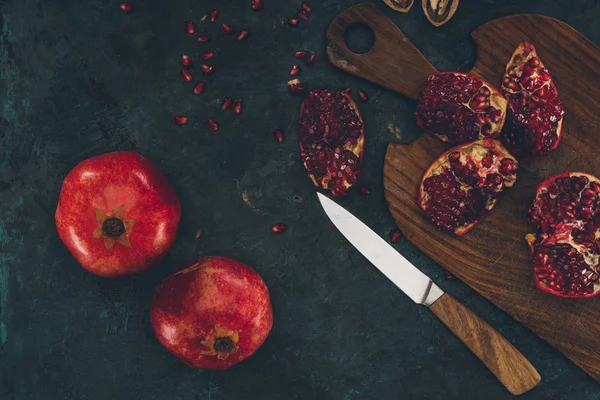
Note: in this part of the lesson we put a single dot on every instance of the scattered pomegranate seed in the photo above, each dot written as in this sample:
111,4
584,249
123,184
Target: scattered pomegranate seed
364,190
180,120
212,124
346,91
237,106
311,59
207,55
126,7
203,38
243,35
448,275
227,29
302,16
363,96
394,236
278,228
186,61
295,87
301,54
295,70
306,7
199,88
186,75
189,27
213,15
208,69
226,103
279,135
256,5
293,21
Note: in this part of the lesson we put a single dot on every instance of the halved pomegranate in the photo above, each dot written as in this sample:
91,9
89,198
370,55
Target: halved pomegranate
331,136
566,247
459,108
535,116
462,185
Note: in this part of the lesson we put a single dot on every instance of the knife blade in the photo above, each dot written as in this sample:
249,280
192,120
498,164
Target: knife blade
506,362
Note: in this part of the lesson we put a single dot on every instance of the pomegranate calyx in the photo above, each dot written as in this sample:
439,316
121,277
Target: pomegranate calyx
222,343
113,228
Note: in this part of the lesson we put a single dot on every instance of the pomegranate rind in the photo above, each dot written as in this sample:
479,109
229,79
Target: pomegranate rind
532,100
448,108
475,151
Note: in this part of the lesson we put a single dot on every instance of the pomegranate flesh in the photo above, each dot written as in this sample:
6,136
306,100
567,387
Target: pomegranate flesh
459,108
331,136
535,113
462,185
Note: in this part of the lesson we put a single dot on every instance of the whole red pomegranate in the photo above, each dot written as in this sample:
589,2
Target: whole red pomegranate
117,214
566,247
331,136
460,108
535,117
460,188
213,314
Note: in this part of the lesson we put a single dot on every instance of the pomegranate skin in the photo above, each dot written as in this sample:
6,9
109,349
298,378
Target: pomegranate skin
212,294
129,186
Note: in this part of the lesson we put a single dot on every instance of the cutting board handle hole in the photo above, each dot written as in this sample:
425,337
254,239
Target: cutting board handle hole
359,37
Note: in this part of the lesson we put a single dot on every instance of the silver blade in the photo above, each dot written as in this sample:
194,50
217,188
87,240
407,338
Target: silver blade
392,264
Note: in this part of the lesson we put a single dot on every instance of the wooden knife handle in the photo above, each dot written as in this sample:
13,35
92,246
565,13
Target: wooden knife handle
506,362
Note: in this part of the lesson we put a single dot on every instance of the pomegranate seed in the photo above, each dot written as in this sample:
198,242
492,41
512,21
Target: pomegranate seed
295,70
256,5
363,96
180,120
186,61
189,27
394,236
203,38
279,135
212,124
346,91
278,228
213,15
243,35
237,106
364,190
207,55
302,16
301,54
226,103
306,7
448,275
227,29
311,59
208,69
186,75
295,87
199,88
126,7
293,21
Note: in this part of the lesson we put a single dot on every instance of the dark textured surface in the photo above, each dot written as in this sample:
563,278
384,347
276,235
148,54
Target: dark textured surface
81,78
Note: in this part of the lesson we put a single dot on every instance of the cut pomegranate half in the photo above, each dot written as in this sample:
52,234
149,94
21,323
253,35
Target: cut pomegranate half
460,188
331,137
535,117
459,108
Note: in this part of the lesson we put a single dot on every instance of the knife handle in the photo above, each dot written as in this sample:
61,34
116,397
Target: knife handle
506,362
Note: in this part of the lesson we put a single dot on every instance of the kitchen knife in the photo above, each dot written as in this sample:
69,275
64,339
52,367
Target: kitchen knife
506,362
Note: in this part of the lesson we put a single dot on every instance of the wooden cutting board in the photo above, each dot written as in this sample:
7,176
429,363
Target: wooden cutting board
493,258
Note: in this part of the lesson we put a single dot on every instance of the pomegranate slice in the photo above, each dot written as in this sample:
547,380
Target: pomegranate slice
535,117
331,136
459,108
566,247
462,185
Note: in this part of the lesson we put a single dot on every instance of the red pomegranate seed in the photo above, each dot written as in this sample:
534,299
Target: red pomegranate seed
293,21
394,236
212,124
256,5
186,75
189,27
126,7
208,69
237,106
227,29
295,70
448,275
278,228
311,59
279,135
364,190
207,55
226,103
306,7
363,96
301,54
295,87
346,91
186,61
243,35
302,16
180,120
199,88
203,38
213,15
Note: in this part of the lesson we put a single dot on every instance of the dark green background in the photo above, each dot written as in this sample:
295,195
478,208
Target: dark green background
80,78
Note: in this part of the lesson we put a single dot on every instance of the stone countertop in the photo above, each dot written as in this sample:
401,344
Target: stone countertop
80,78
